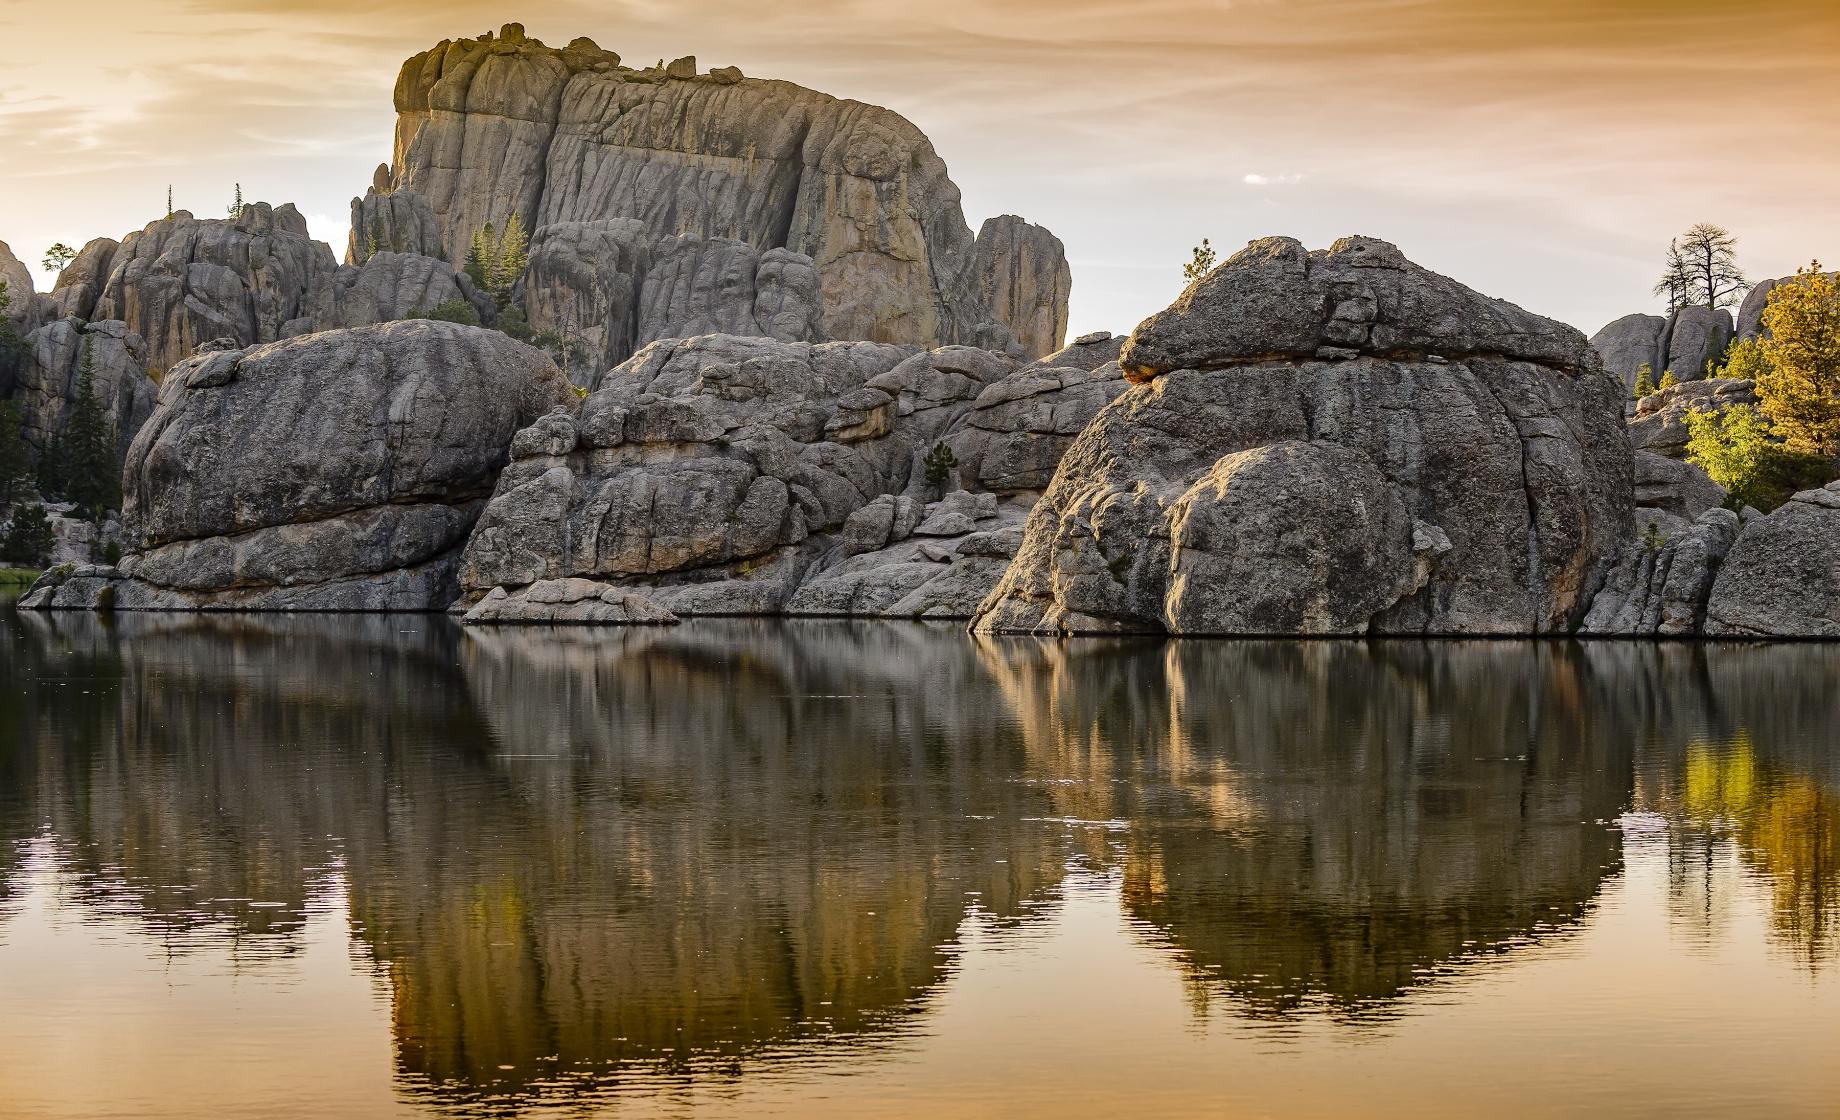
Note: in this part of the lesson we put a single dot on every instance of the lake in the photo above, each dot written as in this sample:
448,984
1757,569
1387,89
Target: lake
374,866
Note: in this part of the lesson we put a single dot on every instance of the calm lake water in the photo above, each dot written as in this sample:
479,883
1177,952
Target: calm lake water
332,867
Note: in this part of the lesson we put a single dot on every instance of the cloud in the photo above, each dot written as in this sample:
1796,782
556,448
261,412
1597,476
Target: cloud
1254,179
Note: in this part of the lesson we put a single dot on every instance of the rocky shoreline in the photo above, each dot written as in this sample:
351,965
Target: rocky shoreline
791,381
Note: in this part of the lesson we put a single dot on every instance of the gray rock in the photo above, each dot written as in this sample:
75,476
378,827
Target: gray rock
1662,591
1678,487
1020,427
488,128
1629,344
1697,337
48,380
341,471
1782,577
17,277
1091,352
80,285
1750,312
390,286
392,221
1026,281
1511,447
1660,421
570,601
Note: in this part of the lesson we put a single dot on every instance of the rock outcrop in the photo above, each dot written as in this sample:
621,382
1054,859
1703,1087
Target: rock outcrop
1683,342
184,281
1660,584
1025,281
388,221
341,471
1782,576
17,277
1659,423
1333,442
48,380
502,125
1674,486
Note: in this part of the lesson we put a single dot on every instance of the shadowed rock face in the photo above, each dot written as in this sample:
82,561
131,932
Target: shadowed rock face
1782,576
497,126
343,470
1474,449
48,380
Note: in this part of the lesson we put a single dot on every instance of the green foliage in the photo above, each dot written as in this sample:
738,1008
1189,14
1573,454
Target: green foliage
81,466
1668,380
562,349
111,553
497,259
28,539
1745,359
939,464
1200,262
58,257
235,209
1652,537
450,311
169,209
1645,381
1800,391
12,347
511,320
15,457
1734,446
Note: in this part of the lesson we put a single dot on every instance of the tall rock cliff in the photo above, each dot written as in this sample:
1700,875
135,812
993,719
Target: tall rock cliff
502,125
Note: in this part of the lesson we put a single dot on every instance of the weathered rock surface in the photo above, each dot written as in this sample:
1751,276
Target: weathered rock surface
1675,486
908,560
1026,281
48,380
570,601
17,276
1697,338
1782,577
503,125
183,281
1495,495
708,473
392,221
341,471
1750,312
1661,591
1020,428
1660,420
1629,344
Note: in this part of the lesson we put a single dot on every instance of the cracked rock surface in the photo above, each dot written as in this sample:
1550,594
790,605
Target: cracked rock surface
1291,401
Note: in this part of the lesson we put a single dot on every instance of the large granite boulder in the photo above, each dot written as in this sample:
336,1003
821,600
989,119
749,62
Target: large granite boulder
1674,485
503,125
1782,576
48,380
339,471
1750,312
1630,343
14,273
392,221
1697,339
1659,423
710,474
389,286
1293,398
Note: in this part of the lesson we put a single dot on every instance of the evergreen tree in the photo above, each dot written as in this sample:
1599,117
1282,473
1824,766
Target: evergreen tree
1668,380
1675,283
481,256
12,347
939,464
1800,392
513,257
85,469
58,257
15,457
29,539
236,204
169,209
1744,359
1645,380
1200,262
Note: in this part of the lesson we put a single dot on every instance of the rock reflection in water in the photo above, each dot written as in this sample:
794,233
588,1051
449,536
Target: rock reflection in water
570,852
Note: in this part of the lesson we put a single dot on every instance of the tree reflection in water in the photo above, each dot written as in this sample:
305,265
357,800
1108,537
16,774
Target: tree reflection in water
567,852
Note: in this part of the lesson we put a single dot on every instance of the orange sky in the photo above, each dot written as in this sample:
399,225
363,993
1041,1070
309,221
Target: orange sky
1543,151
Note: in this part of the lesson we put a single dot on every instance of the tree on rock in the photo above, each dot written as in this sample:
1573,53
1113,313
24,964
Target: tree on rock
29,539
58,257
1200,262
1702,269
1800,391
81,465
939,463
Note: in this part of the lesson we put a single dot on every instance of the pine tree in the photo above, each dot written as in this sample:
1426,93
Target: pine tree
1800,392
481,258
1676,281
169,209
91,476
1200,262
12,347
513,255
1645,380
939,464
29,539
236,206
15,457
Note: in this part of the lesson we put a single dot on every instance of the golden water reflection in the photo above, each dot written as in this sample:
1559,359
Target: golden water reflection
570,854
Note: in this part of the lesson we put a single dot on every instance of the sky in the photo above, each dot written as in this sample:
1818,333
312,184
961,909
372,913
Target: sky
1543,151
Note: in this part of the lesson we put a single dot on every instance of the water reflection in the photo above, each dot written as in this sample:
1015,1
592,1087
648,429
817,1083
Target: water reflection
571,853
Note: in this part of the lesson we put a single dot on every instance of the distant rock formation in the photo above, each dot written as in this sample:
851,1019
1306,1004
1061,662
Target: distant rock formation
1683,342
258,277
48,380
502,125
342,471
1659,422
1333,442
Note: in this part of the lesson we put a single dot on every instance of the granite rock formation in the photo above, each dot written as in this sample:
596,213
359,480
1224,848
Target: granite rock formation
1659,422
1683,342
1660,584
48,379
1782,575
1292,403
341,471
502,125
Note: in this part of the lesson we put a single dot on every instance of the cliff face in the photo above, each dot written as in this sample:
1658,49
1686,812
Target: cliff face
504,125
